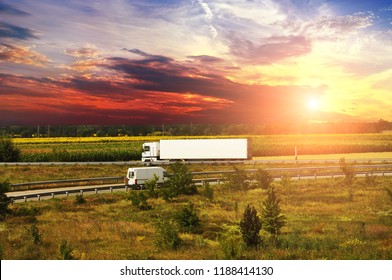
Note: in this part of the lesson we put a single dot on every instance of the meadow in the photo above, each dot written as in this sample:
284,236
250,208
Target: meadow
128,148
326,219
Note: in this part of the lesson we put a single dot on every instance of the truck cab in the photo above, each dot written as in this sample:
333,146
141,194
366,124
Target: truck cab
137,177
151,152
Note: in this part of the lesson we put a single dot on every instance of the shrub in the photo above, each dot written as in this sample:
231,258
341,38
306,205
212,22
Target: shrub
187,218
286,181
263,178
167,235
389,192
139,199
8,151
4,199
271,218
151,187
348,171
208,192
35,234
66,251
238,180
250,226
231,244
180,182
79,199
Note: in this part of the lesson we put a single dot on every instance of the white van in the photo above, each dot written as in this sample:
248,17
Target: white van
137,177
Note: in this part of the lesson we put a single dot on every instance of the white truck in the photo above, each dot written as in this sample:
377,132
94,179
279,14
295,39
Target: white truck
137,176
197,149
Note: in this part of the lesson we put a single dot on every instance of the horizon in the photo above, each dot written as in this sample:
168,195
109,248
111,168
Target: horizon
131,62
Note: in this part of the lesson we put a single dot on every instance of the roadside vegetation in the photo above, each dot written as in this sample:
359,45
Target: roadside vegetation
261,219
127,148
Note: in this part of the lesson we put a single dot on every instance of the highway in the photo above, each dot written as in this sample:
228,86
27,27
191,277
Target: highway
255,161
48,193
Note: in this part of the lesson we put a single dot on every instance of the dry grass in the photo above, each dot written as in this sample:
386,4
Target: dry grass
325,220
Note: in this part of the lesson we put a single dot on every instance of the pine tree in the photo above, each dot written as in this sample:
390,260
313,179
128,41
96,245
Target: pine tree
272,219
250,226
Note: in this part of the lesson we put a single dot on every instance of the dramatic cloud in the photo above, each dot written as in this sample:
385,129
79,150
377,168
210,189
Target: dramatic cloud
16,32
21,55
221,61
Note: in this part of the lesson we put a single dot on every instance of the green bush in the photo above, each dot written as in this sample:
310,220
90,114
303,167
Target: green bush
139,199
250,226
4,199
66,251
151,187
35,234
389,192
263,178
231,244
208,192
180,182
167,235
271,218
8,151
348,170
187,218
238,180
79,199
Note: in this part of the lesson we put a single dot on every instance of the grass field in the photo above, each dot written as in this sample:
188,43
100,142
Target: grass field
129,148
325,220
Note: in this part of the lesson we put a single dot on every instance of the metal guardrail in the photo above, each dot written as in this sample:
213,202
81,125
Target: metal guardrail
108,180
64,183
280,173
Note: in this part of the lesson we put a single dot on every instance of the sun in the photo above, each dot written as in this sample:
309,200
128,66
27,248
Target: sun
313,103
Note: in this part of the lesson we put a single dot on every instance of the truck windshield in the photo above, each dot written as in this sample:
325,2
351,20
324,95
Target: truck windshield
146,148
131,174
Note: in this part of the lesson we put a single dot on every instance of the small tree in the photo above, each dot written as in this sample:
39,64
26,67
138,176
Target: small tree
79,199
208,192
348,172
4,199
151,187
180,182
8,151
66,251
238,180
167,235
35,234
272,219
263,178
231,244
187,218
139,199
250,226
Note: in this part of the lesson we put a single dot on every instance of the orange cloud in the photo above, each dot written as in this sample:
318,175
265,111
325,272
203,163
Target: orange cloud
21,55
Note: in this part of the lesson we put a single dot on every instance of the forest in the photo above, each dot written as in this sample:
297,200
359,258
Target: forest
195,129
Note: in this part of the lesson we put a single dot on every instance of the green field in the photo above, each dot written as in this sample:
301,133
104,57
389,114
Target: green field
129,148
325,220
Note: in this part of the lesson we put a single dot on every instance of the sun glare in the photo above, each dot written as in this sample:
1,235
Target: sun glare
313,103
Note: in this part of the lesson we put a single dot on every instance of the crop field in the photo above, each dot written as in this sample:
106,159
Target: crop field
129,148
325,219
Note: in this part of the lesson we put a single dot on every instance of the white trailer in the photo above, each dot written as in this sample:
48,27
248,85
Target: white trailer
137,177
197,149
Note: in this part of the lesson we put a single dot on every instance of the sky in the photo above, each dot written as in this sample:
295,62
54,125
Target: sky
155,62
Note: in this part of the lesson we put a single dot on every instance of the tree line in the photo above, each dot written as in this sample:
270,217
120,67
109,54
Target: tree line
195,129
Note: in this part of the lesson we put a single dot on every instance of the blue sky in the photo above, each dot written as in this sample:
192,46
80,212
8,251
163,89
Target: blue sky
222,61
